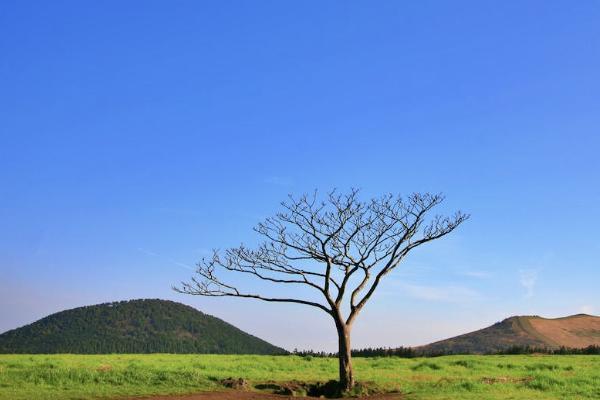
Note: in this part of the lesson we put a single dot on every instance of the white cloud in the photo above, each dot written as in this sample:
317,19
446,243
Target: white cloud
587,309
528,279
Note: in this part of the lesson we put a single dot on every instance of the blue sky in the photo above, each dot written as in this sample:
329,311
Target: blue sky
136,136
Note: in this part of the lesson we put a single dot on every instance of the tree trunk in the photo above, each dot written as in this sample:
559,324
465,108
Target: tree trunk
345,357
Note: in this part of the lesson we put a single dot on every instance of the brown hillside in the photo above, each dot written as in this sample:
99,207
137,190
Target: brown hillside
576,331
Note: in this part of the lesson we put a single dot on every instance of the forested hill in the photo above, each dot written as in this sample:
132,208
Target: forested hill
136,326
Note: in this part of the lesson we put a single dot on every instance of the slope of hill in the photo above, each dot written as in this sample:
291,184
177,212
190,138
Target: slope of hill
576,331
136,326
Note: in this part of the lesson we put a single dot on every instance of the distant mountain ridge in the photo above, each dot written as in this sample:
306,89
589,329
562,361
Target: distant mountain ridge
134,326
575,331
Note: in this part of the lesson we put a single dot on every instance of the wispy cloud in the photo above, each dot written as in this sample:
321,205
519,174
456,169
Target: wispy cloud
167,259
528,279
182,265
411,270
147,252
475,274
279,180
450,294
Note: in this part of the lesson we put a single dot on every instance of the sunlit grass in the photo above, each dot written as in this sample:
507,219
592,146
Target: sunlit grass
451,377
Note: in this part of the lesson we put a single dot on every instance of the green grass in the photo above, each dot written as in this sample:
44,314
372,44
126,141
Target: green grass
82,377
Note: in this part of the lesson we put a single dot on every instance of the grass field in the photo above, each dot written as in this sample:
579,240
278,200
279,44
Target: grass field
451,377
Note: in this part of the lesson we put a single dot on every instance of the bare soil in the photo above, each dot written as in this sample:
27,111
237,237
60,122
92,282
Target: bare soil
243,395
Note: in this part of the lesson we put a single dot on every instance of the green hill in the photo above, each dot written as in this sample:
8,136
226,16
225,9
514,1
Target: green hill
136,326
575,331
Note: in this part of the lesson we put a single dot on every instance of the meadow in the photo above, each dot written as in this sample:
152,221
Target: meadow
83,377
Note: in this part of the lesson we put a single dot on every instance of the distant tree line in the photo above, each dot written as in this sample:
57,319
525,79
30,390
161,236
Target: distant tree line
404,352
410,352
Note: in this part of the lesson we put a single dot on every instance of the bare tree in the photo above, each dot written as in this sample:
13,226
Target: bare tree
340,247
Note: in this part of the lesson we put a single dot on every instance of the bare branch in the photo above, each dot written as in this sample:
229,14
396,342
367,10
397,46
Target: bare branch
322,244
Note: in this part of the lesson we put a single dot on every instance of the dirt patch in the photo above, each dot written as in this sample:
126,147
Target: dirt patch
225,395
295,388
240,388
240,395
292,388
237,384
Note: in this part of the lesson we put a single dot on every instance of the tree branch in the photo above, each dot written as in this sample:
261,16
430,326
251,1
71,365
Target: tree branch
322,245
